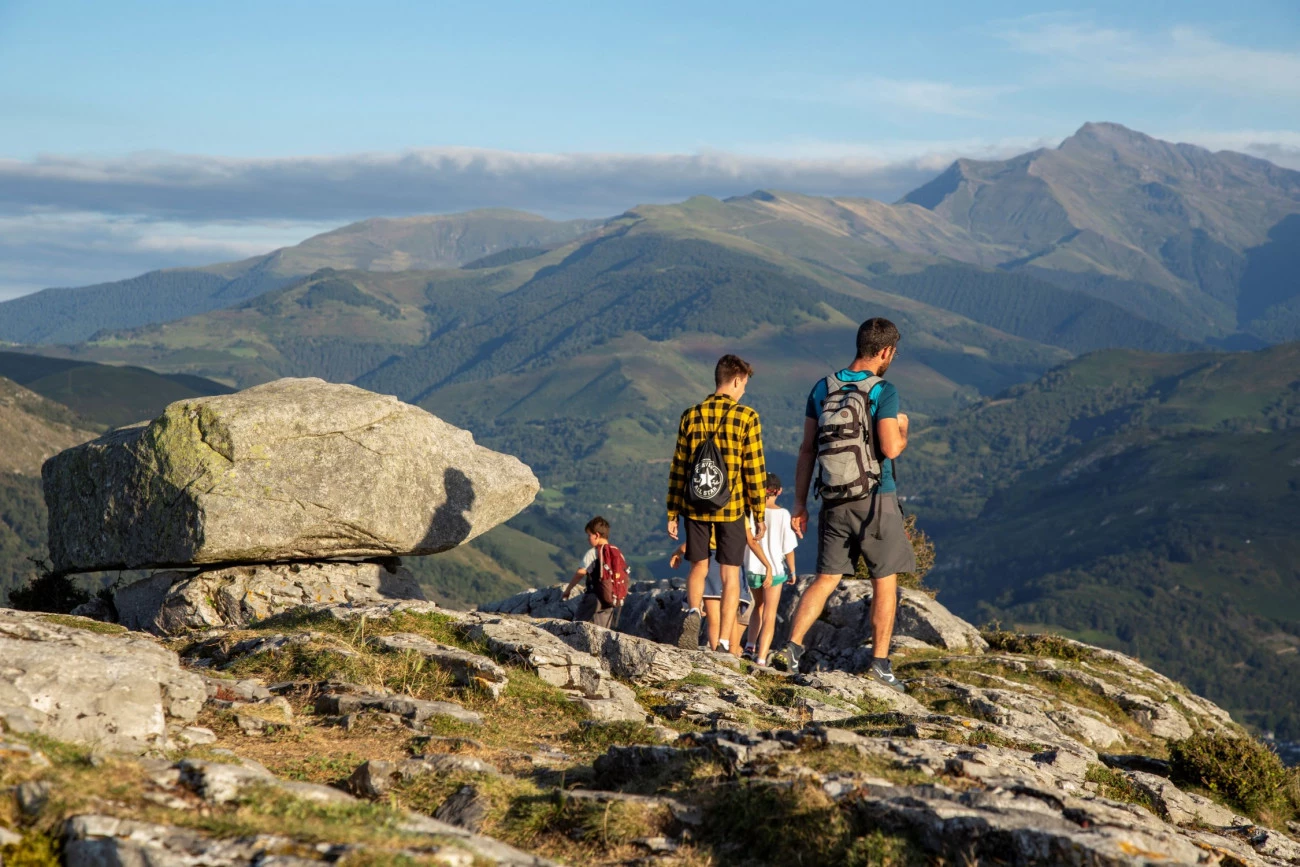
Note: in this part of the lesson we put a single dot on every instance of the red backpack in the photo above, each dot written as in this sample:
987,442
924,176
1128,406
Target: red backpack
608,576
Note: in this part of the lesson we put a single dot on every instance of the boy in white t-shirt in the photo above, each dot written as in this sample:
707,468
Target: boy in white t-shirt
778,544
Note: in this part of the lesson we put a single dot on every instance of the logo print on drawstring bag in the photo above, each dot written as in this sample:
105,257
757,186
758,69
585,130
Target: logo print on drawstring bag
708,488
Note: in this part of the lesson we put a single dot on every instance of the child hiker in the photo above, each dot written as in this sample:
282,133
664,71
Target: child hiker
605,571
776,549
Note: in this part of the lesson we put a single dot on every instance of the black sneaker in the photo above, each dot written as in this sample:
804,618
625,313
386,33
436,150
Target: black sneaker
885,676
789,658
689,638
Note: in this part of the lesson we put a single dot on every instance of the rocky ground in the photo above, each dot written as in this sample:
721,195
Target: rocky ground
399,732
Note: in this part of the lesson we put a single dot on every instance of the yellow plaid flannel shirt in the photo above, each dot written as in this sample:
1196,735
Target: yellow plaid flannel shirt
740,439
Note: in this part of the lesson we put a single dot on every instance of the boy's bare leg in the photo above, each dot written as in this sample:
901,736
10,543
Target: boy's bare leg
737,638
755,630
771,603
712,620
695,584
730,597
811,605
884,604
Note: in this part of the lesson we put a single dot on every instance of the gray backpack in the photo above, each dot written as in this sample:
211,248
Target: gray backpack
848,468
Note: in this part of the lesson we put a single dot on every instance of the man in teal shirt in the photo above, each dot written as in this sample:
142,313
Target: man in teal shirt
870,526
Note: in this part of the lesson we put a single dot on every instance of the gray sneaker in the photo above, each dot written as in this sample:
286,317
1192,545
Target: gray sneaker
689,638
887,678
788,658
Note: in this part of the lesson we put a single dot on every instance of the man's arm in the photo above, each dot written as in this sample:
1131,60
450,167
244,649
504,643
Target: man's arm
803,475
891,425
753,469
893,435
677,473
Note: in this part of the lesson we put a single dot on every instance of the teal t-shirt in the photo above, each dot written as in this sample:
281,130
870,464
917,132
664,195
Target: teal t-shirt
883,401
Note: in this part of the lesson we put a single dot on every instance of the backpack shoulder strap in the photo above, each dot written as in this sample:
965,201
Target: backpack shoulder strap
833,384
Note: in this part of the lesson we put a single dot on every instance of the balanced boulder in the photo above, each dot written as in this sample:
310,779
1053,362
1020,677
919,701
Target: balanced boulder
296,469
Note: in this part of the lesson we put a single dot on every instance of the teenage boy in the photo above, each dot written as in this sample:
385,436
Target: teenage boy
591,608
719,425
862,517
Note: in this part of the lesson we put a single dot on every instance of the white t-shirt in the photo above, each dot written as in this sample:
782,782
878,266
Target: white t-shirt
778,541
588,559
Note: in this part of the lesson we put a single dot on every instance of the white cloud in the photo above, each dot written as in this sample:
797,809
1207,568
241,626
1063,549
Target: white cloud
423,181
1281,147
44,248
1181,57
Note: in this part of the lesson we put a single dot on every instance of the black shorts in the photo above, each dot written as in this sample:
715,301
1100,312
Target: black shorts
729,536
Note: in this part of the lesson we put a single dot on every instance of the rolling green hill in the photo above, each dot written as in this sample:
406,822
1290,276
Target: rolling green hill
1149,502
438,241
1113,238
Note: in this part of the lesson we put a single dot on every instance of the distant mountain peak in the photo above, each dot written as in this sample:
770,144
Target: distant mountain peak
1111,137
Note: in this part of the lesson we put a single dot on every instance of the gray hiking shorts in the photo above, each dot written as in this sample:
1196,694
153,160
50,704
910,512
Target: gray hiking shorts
871,527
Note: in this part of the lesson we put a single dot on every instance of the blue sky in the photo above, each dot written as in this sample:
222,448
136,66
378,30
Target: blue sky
140,135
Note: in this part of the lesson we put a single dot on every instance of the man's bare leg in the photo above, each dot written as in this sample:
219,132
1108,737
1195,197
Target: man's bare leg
712,620
811,605
695,584
730,600
884,604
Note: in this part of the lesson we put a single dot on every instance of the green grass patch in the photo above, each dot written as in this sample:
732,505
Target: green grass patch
696,678
1114,785
761,823
85,623
34,850
596,736
1037,644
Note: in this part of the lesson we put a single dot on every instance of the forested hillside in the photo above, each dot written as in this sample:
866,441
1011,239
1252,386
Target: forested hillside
1148,502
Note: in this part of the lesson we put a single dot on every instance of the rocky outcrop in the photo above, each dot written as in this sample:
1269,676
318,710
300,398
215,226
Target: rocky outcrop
841,639
115,692
297,469
171,603
585,677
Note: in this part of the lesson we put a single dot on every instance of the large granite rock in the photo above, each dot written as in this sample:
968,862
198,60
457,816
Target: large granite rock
170,603
296,469
115,692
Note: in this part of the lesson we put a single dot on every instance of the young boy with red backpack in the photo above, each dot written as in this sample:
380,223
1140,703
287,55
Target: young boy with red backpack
606,572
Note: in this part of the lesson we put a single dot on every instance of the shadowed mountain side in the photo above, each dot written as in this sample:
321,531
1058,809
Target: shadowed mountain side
104,395
1269,304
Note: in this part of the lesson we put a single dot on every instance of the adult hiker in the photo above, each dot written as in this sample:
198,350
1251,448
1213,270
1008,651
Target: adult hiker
718,475
852,432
